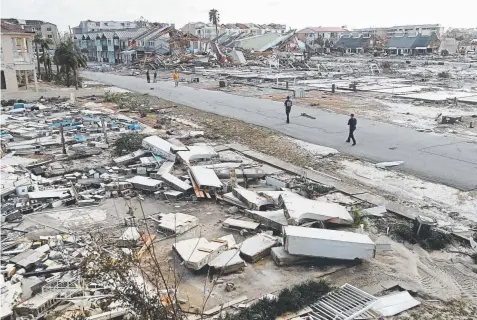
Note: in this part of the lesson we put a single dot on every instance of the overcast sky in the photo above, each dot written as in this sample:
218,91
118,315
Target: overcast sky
293,13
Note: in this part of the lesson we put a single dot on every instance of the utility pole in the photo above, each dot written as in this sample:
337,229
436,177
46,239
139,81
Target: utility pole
62,139
104,131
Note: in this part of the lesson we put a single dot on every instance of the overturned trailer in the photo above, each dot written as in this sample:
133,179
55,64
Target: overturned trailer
325,243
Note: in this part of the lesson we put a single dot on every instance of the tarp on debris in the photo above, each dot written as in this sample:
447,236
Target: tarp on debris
395,303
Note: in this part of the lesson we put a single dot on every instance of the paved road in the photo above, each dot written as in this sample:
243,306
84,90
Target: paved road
449,160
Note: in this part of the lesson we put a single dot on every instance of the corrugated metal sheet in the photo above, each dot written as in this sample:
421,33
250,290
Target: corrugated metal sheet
346,303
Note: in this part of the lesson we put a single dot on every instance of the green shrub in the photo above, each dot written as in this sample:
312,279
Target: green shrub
128,142
428,239
288,300
444,75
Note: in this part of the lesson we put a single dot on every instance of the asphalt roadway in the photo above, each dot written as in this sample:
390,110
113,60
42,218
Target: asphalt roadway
443,159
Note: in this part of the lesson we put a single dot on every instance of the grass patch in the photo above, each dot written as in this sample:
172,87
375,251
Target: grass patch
358,219
289,300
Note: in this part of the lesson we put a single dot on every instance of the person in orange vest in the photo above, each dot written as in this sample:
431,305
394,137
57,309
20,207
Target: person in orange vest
176,78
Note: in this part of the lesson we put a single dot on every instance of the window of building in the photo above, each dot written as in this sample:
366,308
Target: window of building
106,24
151,43
50,36
98,24
109,41
48,29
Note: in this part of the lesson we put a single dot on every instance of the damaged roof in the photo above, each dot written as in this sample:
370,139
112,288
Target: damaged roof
353,42
411,41
322,29
8,27
262,42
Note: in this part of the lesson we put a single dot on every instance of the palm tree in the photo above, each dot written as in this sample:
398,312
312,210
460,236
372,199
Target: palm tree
214,18
45,46
70,58
37,41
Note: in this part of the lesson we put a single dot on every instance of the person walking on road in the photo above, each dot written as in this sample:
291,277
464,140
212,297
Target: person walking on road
155,76
176,78
352,122
147,76
288,105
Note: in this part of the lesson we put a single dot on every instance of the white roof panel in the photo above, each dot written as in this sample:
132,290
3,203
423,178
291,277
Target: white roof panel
205,177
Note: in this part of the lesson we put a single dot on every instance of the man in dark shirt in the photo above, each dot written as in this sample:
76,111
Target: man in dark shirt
352,122
288,105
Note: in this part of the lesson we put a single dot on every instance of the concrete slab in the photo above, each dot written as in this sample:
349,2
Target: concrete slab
175,223
272,219
197,252
378,211
228,261
274,195
257,247
438,95
158,146
240,224
166,167
283,258
197,153
176,183
471,99
251,198
299,210
233,200
401,90
206,179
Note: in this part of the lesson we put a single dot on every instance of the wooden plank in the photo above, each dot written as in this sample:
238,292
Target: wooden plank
197,191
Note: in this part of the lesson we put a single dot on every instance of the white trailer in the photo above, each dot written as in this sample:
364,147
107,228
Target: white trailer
325,243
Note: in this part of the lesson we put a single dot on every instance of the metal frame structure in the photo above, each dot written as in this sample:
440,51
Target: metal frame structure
345,303
67,288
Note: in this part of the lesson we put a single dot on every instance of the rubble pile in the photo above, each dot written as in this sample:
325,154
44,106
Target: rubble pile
64,174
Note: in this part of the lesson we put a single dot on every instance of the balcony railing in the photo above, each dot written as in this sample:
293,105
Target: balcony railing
22,57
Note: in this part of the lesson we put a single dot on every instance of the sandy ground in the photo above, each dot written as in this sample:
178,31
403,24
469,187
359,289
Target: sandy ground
452,207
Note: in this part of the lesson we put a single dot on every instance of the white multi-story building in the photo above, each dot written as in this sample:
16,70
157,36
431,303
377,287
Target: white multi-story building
310,34
208,30
16,57
46,29
424,29
90,26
